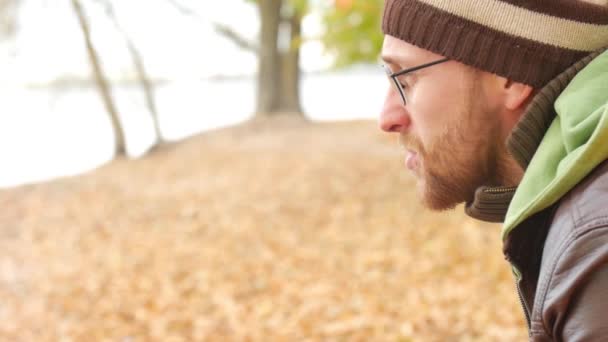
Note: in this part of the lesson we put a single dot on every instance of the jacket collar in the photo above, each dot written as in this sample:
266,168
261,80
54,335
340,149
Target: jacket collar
491,203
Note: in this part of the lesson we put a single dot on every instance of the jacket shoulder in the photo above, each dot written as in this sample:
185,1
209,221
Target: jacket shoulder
584,208
588,201
575,250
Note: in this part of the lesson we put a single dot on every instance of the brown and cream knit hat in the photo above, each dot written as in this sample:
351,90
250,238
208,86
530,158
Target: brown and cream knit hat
528,41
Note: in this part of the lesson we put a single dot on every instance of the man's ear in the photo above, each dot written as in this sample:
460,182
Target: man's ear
516,95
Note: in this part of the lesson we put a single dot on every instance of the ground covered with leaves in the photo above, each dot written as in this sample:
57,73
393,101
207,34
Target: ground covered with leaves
275,230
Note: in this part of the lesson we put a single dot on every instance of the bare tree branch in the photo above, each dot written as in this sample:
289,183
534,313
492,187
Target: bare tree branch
102,84
235,37
183,9
223,29
142,74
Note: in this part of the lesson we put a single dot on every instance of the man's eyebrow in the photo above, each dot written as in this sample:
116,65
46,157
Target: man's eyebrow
388,59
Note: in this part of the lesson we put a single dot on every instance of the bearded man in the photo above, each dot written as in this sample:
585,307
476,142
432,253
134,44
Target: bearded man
503,105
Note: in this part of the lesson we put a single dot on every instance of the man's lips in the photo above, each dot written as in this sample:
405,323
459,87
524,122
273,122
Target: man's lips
411,159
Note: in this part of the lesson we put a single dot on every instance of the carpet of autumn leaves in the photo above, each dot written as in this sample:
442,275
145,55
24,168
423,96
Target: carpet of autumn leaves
274,230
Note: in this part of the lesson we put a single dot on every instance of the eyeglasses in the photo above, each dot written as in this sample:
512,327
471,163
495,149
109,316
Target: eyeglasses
400,86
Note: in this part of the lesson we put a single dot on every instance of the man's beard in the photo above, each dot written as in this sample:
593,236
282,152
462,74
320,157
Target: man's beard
465,157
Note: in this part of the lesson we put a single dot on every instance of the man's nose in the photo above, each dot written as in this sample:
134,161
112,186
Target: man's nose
394,117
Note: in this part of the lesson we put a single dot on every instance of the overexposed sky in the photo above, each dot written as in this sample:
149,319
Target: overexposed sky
50,132
50,43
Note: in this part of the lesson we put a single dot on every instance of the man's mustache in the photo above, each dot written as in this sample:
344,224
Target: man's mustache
410,142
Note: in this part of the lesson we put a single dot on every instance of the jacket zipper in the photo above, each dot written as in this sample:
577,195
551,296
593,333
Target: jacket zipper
524,306
518,277
500,190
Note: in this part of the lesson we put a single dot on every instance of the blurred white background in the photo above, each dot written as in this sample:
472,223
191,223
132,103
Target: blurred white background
51,125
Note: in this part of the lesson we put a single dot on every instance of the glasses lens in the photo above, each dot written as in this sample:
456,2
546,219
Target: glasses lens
394,82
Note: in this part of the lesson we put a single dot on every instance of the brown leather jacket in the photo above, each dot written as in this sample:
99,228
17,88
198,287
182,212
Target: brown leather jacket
562,251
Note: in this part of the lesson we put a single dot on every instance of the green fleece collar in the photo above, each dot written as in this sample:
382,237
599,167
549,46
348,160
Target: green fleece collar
491,203
574,144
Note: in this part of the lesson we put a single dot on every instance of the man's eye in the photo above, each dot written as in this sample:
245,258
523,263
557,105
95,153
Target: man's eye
402,81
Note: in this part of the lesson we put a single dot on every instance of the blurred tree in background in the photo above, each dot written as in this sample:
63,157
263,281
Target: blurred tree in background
8,20
140,70
351,34
279,56
104,85
353,31
277,50
8,27
101,81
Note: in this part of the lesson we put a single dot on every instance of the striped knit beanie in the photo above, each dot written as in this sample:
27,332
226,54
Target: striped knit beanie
527,41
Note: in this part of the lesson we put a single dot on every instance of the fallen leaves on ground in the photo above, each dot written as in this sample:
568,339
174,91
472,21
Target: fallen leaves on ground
274,230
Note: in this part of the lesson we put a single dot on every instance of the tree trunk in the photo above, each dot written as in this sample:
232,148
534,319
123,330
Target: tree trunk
142,75
102,83
269,62
278,52
290,73
148,89
8,18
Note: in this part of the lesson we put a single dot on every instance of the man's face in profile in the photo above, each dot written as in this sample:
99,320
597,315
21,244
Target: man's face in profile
449,126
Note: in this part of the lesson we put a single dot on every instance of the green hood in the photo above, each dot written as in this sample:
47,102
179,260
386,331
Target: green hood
575,143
